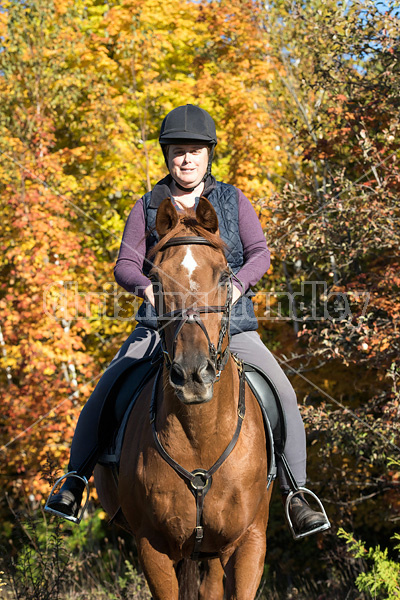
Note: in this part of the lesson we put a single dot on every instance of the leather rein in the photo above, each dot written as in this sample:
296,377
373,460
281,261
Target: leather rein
199,480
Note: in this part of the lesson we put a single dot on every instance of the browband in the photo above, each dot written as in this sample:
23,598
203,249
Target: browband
183,240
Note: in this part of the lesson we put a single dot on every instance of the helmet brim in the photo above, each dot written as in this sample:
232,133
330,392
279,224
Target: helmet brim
185,137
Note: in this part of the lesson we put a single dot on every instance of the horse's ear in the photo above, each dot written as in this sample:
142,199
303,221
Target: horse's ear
166,218
206,215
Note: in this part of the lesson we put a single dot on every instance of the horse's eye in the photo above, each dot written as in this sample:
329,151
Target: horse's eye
223,278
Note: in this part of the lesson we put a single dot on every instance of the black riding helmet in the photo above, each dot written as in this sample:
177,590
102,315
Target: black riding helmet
186,124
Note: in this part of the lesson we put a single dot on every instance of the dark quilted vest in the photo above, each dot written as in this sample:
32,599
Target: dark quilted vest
224,198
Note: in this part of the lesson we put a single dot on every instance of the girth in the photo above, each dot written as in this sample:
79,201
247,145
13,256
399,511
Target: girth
199,480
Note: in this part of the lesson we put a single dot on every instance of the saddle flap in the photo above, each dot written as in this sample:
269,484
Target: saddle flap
122,398
131,384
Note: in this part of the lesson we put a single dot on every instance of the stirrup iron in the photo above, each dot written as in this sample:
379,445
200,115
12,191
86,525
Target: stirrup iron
81,511
304,491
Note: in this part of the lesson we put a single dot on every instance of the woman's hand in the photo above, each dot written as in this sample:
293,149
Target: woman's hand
149,295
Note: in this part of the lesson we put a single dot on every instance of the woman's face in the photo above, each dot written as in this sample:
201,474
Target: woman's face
187,163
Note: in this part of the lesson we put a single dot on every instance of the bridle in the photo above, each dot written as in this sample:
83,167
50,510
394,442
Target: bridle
199,480
218,357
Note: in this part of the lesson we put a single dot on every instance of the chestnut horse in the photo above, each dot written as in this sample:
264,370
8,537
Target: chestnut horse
198,426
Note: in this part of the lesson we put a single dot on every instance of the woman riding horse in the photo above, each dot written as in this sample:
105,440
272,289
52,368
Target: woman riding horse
188,138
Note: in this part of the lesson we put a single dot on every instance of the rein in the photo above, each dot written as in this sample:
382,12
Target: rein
199,480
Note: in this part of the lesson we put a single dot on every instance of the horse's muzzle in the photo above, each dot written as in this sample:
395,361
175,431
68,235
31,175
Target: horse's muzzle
193,381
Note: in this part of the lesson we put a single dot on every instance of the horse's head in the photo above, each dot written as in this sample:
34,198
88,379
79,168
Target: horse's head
192,287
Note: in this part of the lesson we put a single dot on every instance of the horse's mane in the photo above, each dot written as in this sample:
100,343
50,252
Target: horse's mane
188,225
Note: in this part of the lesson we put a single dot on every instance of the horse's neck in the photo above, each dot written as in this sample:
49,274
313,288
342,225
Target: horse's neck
207,427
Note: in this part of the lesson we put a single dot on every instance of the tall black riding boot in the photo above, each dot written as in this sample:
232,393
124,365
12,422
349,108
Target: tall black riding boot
95,423
67,501
304,520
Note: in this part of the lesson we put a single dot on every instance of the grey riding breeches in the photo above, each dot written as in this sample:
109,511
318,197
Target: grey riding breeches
249,347
142,343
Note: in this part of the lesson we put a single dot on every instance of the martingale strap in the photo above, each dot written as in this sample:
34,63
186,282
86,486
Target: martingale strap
199,480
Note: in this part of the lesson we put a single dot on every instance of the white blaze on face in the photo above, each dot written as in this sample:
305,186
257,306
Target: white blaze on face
190,264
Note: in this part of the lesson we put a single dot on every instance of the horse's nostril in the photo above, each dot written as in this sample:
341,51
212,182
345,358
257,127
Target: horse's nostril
177,374
202,373
206,373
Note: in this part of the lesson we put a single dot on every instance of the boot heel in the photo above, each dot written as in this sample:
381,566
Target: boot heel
73,518
303,491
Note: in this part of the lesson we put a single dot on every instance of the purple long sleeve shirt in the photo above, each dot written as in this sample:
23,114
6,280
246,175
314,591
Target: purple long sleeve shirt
128,269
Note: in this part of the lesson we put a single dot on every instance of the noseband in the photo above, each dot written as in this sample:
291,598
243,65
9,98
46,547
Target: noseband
218,357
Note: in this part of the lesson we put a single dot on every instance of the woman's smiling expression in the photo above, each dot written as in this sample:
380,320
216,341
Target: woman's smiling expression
188,163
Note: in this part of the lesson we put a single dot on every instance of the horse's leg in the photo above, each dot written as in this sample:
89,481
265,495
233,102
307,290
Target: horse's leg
212,584
158,569
244,567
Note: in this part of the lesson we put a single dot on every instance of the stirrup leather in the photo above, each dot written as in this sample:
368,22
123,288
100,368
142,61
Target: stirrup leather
303,490
81,512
